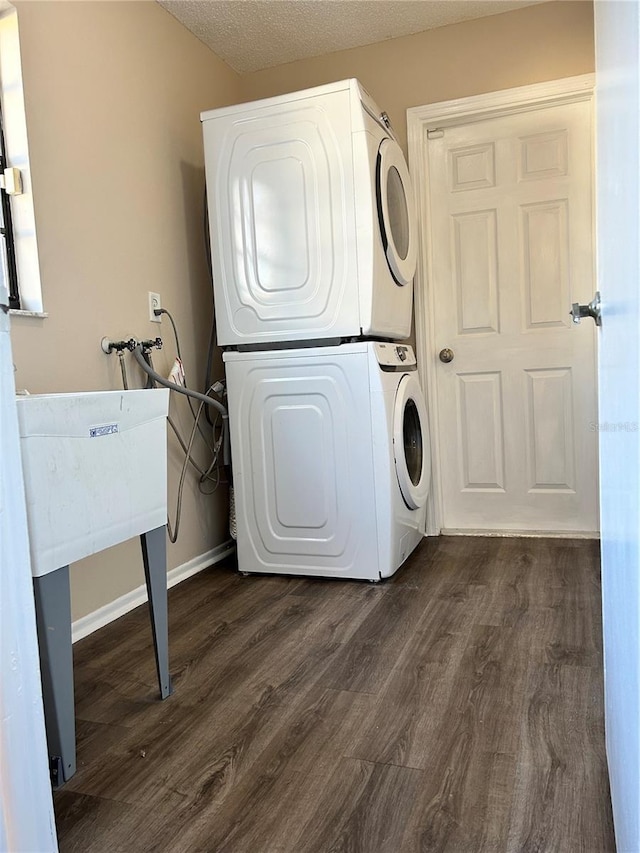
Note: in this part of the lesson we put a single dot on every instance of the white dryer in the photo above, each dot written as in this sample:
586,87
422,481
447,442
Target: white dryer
312,219
331,459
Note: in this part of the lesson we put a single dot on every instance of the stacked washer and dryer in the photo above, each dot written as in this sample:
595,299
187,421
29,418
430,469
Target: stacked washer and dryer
314,243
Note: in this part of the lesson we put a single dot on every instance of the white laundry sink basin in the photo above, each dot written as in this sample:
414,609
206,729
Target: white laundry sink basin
95,470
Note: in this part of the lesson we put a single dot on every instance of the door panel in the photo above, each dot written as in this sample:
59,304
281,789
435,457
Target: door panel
512,248
472,167
544,155
544,252
550,430
480,401
476,271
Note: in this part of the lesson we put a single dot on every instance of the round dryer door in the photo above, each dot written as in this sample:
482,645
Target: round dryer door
398,224
411,442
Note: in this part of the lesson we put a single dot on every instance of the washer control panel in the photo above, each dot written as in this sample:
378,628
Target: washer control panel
395,356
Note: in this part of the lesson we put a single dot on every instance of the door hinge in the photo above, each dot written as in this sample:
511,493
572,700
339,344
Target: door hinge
11,181
435,133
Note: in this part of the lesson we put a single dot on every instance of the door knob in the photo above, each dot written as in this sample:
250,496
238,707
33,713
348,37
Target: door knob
590,310
445,355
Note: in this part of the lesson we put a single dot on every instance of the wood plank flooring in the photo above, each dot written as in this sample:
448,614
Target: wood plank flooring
455,707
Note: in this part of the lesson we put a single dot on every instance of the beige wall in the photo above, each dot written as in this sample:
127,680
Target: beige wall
530,45
113,94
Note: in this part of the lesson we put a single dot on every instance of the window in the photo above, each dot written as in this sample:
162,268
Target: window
20,268
8,249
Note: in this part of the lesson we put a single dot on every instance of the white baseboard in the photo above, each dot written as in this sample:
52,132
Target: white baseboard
109,612
541,534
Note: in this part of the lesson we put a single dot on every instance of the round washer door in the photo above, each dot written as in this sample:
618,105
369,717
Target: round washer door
411,448
398,224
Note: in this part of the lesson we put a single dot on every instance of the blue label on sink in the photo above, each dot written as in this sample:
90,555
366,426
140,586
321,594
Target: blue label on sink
105,429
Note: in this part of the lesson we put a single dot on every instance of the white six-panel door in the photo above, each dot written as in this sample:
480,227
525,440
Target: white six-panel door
511,243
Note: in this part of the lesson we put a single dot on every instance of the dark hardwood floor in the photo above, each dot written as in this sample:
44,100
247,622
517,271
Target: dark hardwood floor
455,707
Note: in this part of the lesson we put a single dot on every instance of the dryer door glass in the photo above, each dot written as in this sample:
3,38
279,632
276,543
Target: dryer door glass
411,442
398,212
398,226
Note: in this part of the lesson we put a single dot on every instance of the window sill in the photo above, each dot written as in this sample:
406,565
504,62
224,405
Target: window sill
18,312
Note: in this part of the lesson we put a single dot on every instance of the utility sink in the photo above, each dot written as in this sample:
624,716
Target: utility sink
95,470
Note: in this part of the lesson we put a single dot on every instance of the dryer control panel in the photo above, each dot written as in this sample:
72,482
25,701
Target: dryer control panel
393,356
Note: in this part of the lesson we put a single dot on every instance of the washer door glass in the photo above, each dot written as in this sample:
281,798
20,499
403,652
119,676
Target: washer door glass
398,225
411,442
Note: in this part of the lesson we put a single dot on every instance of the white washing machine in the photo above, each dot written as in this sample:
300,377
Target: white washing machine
331,459
312,219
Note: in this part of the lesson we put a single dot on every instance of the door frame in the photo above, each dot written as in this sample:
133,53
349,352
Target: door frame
434,117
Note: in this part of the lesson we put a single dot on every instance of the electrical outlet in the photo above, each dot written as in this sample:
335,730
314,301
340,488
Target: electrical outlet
154,303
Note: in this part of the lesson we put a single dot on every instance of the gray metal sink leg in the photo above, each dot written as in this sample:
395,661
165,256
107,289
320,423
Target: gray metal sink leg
53,619
154,556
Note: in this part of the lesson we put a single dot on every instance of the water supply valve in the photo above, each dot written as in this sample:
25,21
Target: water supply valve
147,346
108,346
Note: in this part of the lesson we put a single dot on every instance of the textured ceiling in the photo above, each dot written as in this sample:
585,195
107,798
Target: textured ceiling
254,34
